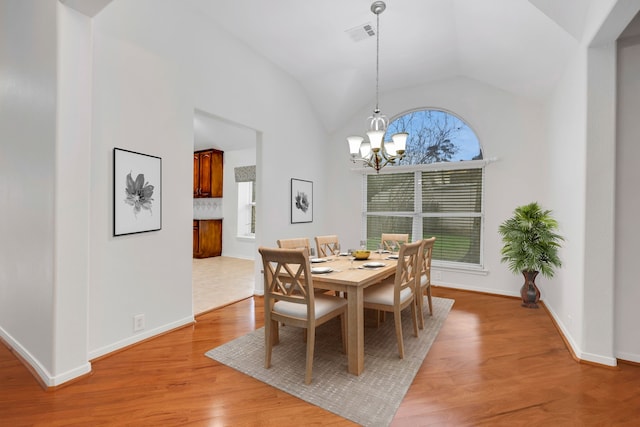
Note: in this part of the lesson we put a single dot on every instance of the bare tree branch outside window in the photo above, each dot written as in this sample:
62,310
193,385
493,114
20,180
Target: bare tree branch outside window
435,136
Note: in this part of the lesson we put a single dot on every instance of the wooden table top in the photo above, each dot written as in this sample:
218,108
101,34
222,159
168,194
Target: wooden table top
359,276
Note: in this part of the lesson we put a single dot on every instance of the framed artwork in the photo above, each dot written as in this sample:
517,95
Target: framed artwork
137,192
301,201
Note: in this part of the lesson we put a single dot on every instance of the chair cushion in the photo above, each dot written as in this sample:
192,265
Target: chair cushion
323,303
383,294
423,280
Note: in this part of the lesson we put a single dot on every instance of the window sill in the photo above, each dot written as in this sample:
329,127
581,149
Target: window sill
466,269
247,238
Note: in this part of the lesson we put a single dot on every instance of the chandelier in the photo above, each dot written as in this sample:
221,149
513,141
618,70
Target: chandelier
376,153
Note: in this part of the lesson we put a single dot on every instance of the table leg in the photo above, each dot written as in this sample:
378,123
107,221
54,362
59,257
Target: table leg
355,331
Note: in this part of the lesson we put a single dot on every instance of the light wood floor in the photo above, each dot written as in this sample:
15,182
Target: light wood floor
219,281
493,364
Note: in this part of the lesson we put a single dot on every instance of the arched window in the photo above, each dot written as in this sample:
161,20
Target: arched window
436,190
435,136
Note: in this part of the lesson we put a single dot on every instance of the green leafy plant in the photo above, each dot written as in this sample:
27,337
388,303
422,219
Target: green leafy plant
530,240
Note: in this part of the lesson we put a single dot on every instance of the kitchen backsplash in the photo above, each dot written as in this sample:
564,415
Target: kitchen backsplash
207,208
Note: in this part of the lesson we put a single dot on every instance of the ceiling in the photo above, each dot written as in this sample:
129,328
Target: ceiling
215,132
520,46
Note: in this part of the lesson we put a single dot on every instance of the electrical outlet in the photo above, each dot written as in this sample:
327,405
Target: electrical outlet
138,322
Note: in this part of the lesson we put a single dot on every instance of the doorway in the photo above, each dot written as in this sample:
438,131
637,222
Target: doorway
219,281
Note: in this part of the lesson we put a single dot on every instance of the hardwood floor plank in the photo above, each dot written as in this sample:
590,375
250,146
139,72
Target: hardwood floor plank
494,363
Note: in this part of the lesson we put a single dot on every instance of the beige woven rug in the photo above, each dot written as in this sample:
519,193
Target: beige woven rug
369,399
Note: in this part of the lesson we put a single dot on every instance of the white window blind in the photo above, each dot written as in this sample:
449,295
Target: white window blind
446,204
452,211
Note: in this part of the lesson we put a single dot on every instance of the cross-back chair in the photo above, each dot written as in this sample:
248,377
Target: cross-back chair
424,283
289,298
393,238
326,245
295,243
397,293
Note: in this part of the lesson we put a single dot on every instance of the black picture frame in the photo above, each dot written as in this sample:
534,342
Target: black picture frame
301,201
137,192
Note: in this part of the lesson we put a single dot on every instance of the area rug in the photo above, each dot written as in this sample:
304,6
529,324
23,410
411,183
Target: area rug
369,399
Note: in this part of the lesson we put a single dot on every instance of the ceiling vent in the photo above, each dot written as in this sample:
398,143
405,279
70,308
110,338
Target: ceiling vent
361,32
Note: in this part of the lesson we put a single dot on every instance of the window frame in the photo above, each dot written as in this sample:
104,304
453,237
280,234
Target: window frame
246,206
417,215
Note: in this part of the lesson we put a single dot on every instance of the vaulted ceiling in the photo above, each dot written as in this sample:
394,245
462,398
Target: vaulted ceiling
520,46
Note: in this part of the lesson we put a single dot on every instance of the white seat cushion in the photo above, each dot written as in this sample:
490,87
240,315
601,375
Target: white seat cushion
423,280
323,303
383,294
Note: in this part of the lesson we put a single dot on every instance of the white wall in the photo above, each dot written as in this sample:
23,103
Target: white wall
138,105
27,179
509,128
627,233
566,151
582,137
232,245
44,175
73,163
154,63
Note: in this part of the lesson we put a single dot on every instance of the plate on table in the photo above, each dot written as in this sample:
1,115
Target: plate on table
392,257
344,253
321,270
374,264
317,260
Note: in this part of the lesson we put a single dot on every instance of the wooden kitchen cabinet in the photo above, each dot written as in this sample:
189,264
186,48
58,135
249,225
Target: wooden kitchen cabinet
207,238
196,239
207,173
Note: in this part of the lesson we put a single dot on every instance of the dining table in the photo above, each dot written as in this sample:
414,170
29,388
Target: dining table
352,277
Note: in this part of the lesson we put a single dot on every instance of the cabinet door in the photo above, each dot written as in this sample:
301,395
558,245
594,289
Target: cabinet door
216,173
209,238
196,239
216,237
205,173
196,174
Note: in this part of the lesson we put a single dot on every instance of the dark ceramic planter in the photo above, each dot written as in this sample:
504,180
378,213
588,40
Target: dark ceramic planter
529,292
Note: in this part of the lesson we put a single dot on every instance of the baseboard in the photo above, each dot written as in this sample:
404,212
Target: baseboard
628,357
475,289
139,338
40,373
576,353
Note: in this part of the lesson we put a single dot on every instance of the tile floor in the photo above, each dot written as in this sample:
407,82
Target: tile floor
220,281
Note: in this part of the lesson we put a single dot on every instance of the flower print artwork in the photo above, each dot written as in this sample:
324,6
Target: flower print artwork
302,201
139,194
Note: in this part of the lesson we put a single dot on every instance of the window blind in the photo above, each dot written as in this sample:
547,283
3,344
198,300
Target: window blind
446,204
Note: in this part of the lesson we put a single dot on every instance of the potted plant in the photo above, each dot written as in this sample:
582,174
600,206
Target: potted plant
530,247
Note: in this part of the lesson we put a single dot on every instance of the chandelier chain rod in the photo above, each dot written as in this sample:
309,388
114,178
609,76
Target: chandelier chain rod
377,60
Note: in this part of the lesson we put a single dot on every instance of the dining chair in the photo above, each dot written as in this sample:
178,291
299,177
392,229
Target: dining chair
292,301
390,239
389,242
295,243
424,283
325,245
398,292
